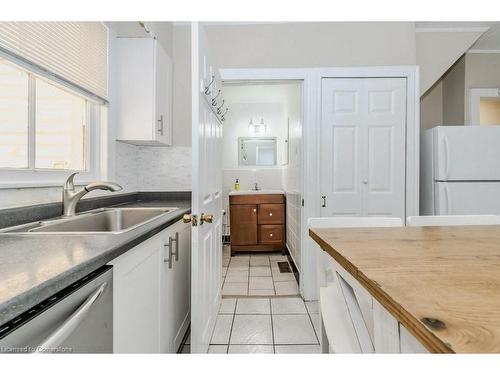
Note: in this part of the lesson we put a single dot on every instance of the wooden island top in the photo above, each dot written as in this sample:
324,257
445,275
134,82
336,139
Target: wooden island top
441,283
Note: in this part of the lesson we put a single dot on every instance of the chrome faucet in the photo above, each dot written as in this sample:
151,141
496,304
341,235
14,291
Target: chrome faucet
256,187
71,197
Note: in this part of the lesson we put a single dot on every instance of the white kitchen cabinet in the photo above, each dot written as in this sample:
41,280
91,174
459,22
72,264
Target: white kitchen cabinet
136,302
143,92
151,299
175,287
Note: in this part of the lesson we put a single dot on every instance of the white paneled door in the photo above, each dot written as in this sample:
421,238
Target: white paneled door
363,124
206,257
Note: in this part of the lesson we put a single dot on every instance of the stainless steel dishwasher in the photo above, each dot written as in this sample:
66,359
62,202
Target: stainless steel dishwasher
78,319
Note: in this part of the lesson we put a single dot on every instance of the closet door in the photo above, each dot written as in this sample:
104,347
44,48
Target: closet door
363,146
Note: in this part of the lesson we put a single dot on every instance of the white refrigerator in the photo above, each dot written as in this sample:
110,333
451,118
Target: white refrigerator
460,170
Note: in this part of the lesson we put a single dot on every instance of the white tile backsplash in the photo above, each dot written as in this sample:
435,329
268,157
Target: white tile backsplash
164,168
154,168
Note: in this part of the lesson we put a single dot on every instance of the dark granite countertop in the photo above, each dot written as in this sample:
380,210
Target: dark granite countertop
35,266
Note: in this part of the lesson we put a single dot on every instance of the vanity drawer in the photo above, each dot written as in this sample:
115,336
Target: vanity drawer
271,213
270,233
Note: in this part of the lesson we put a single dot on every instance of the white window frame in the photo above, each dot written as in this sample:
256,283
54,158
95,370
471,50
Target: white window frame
95,147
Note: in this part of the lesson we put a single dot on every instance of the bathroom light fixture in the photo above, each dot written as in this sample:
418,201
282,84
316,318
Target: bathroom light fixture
257,128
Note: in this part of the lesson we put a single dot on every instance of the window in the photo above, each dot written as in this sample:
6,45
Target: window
45,127
60,136
14,87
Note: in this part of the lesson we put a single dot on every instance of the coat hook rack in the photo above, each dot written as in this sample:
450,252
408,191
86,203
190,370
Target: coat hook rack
214,99
219,108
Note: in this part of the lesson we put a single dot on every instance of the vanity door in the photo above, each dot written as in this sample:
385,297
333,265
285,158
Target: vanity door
244,224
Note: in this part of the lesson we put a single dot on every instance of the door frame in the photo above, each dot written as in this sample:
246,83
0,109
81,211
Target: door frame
475,96
311,128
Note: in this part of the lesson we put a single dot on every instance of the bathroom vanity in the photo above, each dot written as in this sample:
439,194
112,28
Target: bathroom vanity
257,220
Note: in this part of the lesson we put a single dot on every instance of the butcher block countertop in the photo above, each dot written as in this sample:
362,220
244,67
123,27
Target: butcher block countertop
441,283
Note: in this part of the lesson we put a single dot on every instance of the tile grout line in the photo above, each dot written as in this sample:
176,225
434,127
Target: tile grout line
232,324
310,319
272,325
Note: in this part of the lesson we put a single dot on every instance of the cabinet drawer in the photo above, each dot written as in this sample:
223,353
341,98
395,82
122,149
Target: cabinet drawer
271,214
270,233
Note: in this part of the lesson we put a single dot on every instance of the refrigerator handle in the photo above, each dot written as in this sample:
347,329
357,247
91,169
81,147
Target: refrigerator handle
446,156
447,198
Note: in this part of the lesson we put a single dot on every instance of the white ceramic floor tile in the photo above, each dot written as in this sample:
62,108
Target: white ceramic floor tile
312,307
225,262
237,268
252,329
261,292
293,329
235,289
222,330
280,258
261,283
240,261
224,271
251,349
288,305
217,349
259,261
260,271
297,349
227,306
316,324
253,306
286,288
237,277
283,276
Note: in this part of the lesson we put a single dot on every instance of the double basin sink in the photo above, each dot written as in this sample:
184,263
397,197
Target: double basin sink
104,220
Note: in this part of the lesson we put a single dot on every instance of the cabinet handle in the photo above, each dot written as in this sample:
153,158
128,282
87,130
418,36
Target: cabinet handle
176,240
270,234
254,210
270,214
324,201
160,129
169,259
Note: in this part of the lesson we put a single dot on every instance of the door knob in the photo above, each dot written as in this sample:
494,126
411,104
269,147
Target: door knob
365,181
187,218
207,218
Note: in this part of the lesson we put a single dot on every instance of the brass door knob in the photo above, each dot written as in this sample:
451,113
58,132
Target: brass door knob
187,218
207,218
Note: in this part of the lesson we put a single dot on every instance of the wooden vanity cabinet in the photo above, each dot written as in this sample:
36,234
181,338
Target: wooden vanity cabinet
257,222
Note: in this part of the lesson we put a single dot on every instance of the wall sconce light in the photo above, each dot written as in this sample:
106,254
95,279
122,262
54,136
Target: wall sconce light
257,128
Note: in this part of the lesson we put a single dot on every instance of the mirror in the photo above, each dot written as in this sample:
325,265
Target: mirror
256,151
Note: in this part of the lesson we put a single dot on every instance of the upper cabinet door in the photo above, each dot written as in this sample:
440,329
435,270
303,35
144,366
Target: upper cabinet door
142,91
163,102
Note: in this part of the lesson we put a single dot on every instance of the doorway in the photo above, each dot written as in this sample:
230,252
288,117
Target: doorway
262,169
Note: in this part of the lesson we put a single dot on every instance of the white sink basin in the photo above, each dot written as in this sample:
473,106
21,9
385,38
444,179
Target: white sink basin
254,192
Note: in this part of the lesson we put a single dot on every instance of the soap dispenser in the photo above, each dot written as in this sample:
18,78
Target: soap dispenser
237,185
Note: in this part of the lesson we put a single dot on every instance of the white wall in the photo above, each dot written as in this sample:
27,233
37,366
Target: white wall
431,107
438,51
313,44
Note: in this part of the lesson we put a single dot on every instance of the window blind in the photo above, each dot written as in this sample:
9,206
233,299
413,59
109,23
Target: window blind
74,51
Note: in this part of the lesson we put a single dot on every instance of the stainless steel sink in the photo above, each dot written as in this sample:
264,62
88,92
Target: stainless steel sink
107,220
